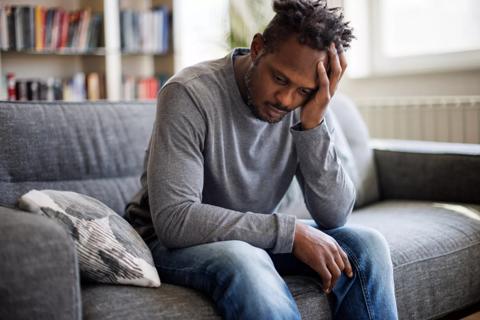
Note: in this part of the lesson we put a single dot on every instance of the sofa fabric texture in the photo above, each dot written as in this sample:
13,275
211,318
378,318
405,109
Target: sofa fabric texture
444,177
174,302
91,148
435,249
356,134
39,269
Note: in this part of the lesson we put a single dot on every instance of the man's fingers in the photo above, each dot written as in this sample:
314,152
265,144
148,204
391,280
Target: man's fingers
335,65
326,277
343,60
335,272
348,267
335,68
339,259
324,82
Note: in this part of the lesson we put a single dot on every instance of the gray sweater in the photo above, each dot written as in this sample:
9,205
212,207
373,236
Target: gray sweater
214,172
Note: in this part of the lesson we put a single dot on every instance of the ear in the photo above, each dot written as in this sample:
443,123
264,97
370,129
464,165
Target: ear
257,46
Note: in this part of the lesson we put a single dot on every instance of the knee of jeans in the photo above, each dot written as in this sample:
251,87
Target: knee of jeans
241,256
369,245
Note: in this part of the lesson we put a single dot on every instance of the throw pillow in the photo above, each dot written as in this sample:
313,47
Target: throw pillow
109,249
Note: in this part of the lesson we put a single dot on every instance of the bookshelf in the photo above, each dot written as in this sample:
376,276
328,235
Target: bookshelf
122,72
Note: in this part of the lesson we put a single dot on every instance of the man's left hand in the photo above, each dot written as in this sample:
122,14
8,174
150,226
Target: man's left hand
314,110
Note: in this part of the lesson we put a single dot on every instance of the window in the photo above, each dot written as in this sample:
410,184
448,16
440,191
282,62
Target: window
407,36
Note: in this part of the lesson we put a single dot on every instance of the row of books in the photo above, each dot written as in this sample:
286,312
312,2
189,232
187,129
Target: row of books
80,87
142,88
145,31
48,29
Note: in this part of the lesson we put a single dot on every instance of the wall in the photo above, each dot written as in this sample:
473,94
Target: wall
456,83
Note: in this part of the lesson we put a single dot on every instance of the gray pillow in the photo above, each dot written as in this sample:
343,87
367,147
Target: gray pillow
109,249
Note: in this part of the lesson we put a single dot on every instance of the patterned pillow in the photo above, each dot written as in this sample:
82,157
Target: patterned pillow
109,249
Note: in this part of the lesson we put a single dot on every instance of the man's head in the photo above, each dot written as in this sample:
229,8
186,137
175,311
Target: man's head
282,75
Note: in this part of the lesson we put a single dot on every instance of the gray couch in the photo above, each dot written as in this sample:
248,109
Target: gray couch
423,197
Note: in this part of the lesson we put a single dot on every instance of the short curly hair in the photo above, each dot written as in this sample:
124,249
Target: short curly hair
314,24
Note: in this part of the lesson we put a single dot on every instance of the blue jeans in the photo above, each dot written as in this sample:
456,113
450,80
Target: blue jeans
246,282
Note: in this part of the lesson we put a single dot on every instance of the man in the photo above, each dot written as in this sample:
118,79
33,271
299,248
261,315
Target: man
229,137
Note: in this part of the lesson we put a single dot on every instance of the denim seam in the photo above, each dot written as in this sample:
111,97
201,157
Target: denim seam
362,281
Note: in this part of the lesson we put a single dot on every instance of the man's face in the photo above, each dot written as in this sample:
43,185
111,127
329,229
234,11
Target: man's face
280,81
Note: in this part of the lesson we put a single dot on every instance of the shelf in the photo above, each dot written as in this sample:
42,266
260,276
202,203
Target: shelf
140,53
73,52
60,52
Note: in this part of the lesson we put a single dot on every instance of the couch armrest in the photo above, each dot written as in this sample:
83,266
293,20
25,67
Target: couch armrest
421,170
39,276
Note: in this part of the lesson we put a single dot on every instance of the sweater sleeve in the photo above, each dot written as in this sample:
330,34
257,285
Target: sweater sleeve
175,173
328,190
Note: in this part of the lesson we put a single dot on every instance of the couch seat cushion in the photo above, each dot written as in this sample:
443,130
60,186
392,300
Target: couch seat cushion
105,302
435,251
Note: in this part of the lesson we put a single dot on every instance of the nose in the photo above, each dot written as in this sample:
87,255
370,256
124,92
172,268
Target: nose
285,97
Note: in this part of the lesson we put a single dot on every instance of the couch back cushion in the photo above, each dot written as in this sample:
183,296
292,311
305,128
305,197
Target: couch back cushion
352,141
92,148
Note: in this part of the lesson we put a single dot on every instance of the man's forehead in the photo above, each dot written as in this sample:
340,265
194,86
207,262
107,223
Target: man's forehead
300,66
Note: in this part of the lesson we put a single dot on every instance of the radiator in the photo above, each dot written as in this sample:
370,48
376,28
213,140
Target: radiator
446,119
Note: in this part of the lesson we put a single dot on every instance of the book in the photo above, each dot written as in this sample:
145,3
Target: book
145,31
78,89
84,29
128,88
75,18
93,86
54,88
128,30
4,40
42,87
21,90
10,13
18,28
29,27
63,42
33,90
95,25
142,88
49,16
39,28
11,90
54,39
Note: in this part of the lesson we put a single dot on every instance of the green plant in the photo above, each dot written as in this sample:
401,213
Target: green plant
247,17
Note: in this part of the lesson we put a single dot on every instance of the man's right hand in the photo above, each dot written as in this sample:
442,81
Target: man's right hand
321,253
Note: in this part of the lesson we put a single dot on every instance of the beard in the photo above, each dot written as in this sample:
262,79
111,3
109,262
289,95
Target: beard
255,109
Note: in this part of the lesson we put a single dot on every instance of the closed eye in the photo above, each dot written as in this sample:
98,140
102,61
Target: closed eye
305,92
280,80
